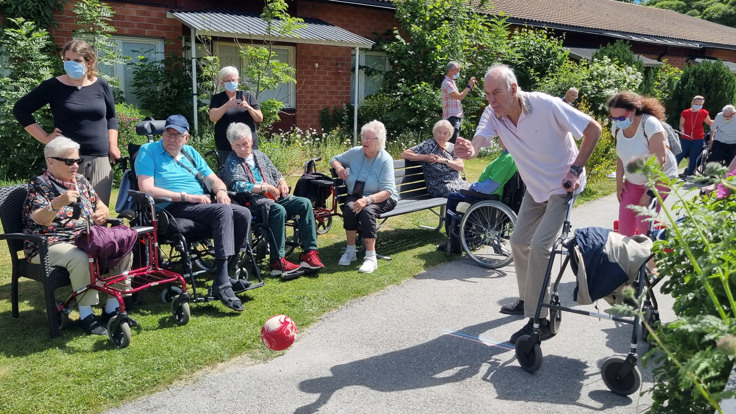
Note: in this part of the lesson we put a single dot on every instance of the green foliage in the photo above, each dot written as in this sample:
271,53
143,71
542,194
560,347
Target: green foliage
717,11
535,54
434,32
666,78
619,51
41,12
23,44
698,259
93,19
162,86
711,79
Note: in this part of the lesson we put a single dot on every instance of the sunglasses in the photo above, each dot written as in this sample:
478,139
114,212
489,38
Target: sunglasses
620,118
68,161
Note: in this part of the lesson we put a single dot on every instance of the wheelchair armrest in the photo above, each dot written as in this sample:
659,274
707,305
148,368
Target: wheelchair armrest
163,200
115,221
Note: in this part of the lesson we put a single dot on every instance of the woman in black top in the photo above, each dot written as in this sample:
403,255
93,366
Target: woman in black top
230,106
84,110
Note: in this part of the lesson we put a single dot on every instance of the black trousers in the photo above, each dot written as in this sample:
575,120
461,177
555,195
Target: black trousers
230,224
366,219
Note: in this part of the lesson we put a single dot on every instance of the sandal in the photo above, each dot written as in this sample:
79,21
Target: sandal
227,297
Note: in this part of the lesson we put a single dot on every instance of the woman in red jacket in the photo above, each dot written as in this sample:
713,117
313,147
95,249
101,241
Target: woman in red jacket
692,133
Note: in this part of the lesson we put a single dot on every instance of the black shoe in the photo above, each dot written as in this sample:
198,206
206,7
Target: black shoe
240,285
516,308
455,247
544,331
227,297
92,326
105,318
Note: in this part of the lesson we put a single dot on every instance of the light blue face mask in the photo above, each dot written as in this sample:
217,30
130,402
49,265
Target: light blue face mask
75,70
455,76
697,107
231,86
623,124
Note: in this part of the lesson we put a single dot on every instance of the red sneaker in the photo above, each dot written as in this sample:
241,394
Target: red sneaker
282,266
310,260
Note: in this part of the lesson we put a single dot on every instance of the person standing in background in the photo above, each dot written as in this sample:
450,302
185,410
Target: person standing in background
692,133
452,109
723,136
230,106
83,108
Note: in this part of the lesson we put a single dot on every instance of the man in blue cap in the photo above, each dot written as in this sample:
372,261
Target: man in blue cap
169,168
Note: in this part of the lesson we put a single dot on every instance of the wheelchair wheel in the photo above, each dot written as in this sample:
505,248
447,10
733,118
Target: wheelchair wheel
292,237
323,224
62,316
702,161
203,255
180,310
528,353
484,233
119,333
622,385
169,293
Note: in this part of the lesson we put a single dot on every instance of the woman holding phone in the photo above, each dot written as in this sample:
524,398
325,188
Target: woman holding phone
84,110
230,106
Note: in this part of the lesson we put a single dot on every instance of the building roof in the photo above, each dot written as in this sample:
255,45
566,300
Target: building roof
241,24
587,53
611,18
618,19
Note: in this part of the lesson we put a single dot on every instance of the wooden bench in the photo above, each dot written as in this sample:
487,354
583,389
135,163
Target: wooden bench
413,194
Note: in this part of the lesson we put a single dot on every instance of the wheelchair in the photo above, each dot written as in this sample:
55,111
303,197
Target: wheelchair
183,244
485,227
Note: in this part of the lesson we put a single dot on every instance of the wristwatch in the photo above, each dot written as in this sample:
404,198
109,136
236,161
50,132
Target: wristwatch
577,170
182,196
51,208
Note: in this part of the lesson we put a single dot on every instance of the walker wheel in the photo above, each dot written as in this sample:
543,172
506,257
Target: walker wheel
62,316
529,353
119,334
323,224
622,385
181,311
169,293
555,316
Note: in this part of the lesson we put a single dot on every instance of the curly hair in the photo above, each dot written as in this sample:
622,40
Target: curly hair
637,103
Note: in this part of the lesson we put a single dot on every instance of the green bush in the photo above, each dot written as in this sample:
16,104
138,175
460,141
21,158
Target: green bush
536,53
23,44
711,79
697,261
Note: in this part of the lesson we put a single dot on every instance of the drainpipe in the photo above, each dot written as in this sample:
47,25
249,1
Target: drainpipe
666,51
357,98
195,120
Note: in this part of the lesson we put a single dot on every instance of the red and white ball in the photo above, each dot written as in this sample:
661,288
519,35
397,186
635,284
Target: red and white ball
278,333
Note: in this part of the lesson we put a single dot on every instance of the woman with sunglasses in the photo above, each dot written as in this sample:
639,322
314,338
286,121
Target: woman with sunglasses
692,134
83,108
52,209
639,134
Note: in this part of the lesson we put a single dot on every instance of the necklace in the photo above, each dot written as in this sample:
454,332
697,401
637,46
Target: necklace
693,118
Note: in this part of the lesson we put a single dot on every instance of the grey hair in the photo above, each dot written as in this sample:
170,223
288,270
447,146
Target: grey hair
452,65
58,145
506,72
238,130
441,123
573,89
227,70
728,109
378,128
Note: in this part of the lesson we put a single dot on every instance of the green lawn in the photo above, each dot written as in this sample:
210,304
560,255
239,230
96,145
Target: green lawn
79,373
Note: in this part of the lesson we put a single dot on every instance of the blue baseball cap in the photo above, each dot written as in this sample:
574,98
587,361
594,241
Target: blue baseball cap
178,122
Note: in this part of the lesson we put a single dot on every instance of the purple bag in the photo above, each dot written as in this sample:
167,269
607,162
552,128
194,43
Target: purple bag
107,244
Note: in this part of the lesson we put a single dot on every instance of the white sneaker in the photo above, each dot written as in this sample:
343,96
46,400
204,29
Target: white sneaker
369,265
347,258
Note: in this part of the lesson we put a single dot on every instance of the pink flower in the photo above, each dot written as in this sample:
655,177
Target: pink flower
724,192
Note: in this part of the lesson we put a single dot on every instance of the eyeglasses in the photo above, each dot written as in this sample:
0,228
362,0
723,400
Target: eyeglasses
68,161
699,99
369,138
620,118
172,135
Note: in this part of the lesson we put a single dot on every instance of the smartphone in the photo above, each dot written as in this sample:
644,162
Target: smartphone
238,96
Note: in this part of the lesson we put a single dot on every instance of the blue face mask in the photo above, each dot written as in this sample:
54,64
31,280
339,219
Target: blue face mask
75,70
623,124
697,107
455,76
231,86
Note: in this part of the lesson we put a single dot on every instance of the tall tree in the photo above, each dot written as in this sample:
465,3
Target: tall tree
717,11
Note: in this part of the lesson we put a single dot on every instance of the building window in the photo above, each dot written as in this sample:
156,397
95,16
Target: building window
230,56
133,48
373,65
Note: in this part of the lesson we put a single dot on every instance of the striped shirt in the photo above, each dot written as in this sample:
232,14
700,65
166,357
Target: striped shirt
450,105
